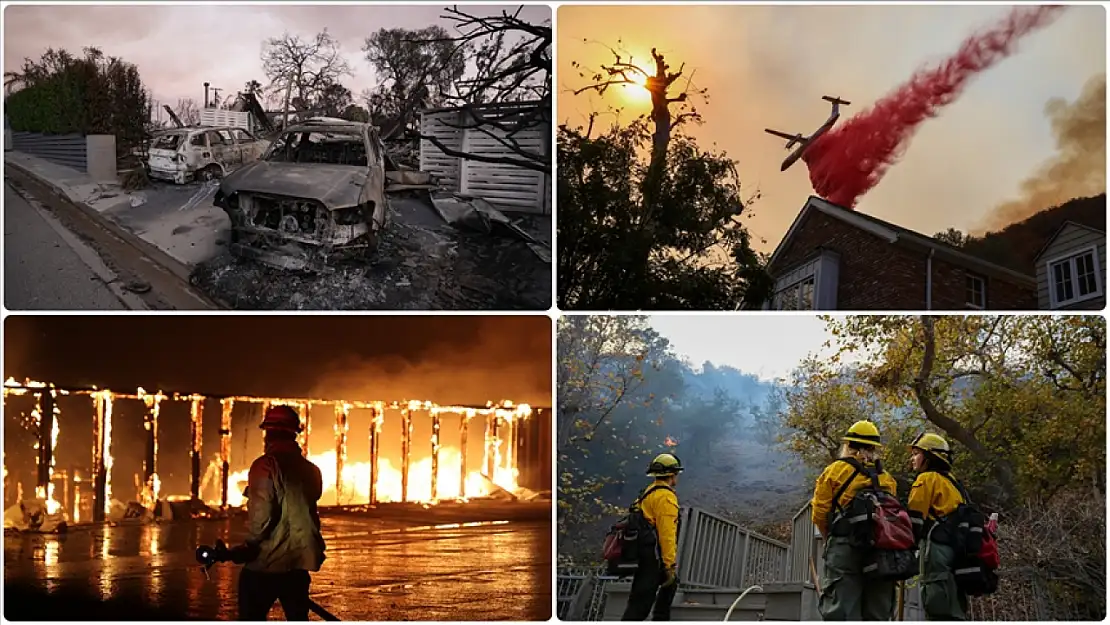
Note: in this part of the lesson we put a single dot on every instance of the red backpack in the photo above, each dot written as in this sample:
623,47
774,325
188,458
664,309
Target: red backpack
976,546
880,526
628,537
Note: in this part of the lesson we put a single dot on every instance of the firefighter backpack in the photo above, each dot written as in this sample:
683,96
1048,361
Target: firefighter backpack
975,544
878,524
629,537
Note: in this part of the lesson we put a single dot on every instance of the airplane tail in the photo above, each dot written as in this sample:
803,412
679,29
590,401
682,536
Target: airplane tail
835,100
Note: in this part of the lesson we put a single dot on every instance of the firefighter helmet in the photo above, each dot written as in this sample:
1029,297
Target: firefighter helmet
934,446
863,432
282,418
664,465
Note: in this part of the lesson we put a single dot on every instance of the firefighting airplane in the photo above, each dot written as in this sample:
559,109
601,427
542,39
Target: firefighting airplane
806,141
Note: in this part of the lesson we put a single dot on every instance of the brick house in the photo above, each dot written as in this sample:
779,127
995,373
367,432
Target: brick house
833,258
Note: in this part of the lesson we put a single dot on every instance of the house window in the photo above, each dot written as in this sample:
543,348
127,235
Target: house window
809,286
797,296
976,293
1074,279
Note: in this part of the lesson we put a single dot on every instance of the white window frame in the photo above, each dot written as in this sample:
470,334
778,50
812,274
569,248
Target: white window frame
1070,259
981,280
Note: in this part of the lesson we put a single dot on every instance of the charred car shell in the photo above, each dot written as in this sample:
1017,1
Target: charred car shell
316,195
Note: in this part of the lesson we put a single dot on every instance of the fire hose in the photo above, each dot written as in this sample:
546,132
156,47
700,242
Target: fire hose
739,599
208,557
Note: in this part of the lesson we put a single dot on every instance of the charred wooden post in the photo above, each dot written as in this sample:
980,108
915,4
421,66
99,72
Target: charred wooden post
265,409
510,443
375,431
150,459
464,422
197,432
342,412
44,404
435,455
226,406
306,422
78,501
491,443
102,458
406,434
518,427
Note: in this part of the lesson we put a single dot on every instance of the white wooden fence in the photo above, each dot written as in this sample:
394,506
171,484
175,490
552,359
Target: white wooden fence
508,187
219,117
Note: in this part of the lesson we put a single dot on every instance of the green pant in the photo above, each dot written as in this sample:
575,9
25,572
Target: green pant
940,598
846,595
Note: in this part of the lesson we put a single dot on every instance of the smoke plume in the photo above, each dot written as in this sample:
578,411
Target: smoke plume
852,158
1079,167
501,362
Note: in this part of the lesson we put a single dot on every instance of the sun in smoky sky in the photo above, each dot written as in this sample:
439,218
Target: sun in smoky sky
635,90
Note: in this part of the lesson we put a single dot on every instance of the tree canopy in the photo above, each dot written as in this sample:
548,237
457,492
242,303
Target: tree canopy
648,219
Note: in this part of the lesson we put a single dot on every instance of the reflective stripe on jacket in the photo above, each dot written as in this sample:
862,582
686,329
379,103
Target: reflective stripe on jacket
931,495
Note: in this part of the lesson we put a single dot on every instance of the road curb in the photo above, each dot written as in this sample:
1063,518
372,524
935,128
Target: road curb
149,252
86,254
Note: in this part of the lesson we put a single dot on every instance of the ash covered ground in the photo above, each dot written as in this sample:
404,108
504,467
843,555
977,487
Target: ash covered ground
422,264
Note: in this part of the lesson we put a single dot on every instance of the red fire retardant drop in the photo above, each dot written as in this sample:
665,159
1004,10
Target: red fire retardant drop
851,158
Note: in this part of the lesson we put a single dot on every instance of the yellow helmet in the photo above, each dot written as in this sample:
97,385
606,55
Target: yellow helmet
863,432
930,442
934,446
664,465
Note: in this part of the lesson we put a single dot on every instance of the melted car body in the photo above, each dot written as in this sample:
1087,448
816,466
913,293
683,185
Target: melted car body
185,154
317,194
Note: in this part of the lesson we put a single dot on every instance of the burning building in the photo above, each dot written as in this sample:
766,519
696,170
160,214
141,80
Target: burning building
370,452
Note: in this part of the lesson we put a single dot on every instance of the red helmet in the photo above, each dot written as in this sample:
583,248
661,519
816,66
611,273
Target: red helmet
282,418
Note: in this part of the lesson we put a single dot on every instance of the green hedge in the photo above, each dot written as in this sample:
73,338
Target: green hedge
89,95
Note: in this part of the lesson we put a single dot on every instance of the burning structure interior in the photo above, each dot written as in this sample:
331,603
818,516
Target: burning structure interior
514,455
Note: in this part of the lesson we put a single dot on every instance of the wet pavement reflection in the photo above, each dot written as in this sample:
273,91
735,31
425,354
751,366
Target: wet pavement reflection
376,570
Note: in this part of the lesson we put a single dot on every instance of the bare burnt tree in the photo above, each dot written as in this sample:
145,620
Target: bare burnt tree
624,71
303,69
511,90
188,111
660,83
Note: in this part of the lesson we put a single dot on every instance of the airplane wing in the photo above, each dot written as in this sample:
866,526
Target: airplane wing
793,137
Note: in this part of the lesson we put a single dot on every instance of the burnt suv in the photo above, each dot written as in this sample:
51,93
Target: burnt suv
316,195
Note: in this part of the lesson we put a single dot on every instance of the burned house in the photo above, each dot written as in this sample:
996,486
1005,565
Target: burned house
376,451
513,132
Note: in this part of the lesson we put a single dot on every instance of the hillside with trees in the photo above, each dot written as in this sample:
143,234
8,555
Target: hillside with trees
1021,399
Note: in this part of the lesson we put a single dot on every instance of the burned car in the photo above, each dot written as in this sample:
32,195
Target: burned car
185,154
316,195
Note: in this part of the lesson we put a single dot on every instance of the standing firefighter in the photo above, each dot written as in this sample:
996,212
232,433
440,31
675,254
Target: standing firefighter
846,594
283,542
656,578
934,498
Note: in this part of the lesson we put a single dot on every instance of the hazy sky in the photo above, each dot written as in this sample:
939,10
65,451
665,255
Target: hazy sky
767,346
179,48
767,67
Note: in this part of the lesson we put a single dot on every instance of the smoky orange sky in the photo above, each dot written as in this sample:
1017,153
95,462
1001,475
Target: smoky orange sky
505,358
990,157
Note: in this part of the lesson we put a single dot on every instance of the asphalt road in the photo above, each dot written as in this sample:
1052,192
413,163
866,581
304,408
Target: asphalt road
41,269
376,570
